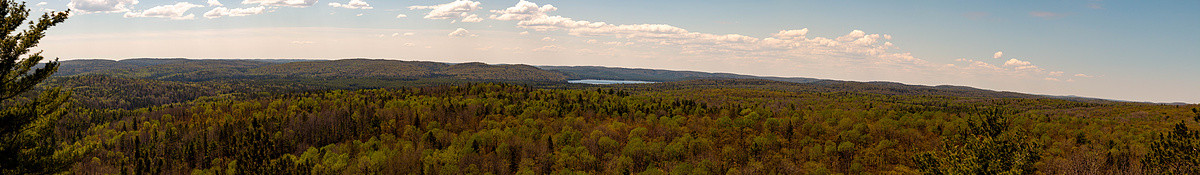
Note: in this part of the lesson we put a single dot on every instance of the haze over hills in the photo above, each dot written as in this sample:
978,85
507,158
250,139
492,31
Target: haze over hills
382,71
201,70
616,73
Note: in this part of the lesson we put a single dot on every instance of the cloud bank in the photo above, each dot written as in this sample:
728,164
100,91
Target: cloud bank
222,12
174,12
353,4
459,10
283,3
101,6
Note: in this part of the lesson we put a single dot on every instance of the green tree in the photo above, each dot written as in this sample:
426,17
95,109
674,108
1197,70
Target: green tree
26,143
986,146
1178,152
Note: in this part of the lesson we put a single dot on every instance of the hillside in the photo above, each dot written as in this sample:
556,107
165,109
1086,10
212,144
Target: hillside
75,67
616,73
825,86
808,84
186,70
205,70
352,68
376,73
481,71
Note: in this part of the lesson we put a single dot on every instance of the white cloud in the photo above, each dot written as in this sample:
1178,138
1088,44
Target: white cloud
548,39
175,12
397,34
460,32
215,3
360,14
1012,68
285,3
1083,75
853,35
549,48
998,55
787,44
42,3
792,34
457,10
472,18
1056,73
1015,62
353,4
401,16
524,10
1021,65
222,11
101,6
409,44
524,33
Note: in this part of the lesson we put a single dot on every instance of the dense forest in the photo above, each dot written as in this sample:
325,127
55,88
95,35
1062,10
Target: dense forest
509,129
342,120
365,116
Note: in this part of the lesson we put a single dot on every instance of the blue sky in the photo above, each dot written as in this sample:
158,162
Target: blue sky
1127,50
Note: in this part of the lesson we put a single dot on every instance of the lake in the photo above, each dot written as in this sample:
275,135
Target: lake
591,81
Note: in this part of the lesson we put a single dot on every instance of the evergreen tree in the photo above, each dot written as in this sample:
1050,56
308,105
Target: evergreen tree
1177,152
987,146
26,143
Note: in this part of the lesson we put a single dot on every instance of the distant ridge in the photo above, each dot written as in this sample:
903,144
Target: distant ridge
616,73
885,88
179,69
814,84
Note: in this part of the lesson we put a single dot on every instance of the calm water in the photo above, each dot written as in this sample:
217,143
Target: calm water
590,81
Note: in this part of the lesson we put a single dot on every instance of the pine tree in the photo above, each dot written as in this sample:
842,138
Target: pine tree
1177,152
26,143
987,146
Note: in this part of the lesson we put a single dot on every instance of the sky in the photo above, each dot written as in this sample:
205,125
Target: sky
1123,50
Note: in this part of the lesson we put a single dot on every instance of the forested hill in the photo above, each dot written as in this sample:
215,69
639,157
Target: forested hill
378,73
204,70
616,73
884,88
788,83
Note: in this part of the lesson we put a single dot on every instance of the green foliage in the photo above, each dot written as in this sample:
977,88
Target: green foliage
988,145
511,129
1177,152
176,116
106,92
27,142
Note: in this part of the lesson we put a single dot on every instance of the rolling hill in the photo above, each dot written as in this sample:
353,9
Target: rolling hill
204,70
377,73
616,73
